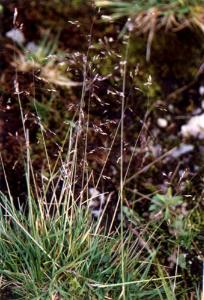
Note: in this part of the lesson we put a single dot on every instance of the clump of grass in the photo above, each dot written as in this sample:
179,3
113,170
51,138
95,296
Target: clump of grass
147,17
52,249
45,62
175,8
63,257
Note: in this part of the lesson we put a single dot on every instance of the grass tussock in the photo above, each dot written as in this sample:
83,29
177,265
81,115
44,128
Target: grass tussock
148,17
64,258
52,249
170,14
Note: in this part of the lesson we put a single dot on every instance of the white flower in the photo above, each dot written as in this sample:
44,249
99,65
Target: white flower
201,90
16,35
194,127
161,122
32,47
181,150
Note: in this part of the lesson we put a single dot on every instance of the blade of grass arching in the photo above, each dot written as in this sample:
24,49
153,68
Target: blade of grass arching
176,268
7,184
143,271
146,267
17,222
120,284
166,284
20,256
106,3
99,254
159,291
106,245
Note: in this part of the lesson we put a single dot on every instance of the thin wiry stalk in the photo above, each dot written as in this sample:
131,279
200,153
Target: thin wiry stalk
133,282
85,163
30,206
176,268
81,114
6,180
26,232
145,168
108,154
123,293
45,149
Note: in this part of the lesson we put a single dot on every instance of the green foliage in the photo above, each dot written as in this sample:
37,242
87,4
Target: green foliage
63,255
128,8
172,210
46,48
165,203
